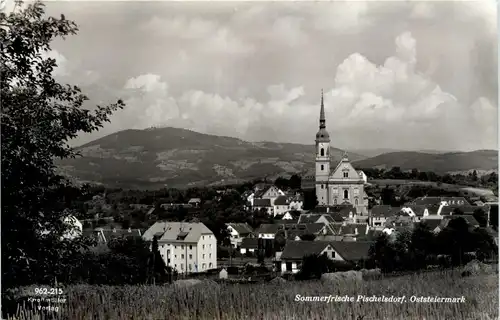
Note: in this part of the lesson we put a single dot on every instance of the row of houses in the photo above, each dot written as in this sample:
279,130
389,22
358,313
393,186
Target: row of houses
273,200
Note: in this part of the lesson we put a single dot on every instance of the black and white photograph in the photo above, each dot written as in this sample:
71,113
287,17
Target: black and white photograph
249,160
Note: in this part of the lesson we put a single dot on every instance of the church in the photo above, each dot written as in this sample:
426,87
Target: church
341,186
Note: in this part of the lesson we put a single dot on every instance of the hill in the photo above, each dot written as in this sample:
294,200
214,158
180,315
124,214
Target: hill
160,157
450,162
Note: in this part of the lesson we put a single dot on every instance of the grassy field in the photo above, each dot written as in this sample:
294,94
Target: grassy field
211,301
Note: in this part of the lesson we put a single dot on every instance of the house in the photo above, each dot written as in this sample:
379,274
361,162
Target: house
315,218
267,231
270,192
289,215
297,231
195,202
237,232
433,224
280,205
454,210
104,235
363,176
263,204
186,247
294,252
380,214
479,203
296,202
249,245
445,201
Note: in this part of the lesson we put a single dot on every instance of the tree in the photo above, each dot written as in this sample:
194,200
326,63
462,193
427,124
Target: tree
422,245
295,182
481,217
38,117
308,237
382,253
310,200
313,266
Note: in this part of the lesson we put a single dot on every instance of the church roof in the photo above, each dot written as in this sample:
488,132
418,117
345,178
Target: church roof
322,135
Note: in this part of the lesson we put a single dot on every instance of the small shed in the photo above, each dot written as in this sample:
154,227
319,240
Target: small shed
223,274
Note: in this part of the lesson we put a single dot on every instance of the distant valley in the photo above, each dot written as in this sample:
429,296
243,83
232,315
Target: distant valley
155,158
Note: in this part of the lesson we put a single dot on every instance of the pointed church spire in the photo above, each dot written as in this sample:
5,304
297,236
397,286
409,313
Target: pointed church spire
322,119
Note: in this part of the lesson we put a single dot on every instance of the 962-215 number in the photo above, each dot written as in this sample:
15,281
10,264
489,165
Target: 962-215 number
48,291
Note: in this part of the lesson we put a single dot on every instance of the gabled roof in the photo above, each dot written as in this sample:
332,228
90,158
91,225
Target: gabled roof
432,223
350,229
296,250
249,243
352,250
309,218
268,228
373,234
281,201
286,221
384,211
177,231
194,200
262,202
448,210
419,210
106,234
241,228
335,217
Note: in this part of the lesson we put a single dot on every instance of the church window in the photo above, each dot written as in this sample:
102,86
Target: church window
335,191
322,186
356,202
346,174
322,167
346,194
322,152
334,201
356,191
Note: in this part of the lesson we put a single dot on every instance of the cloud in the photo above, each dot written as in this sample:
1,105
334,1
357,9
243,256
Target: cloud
365,100
408,75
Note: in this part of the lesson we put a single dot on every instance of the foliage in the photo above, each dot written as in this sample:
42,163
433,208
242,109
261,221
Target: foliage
38,117
313,266
208,301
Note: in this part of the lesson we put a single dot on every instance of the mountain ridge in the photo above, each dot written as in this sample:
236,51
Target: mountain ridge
172,157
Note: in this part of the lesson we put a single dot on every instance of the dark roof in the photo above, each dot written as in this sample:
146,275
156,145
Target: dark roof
448,210
432,223
384,211
349,250
249,243
351,229
262,202
455,201
285,221
241,228
352,250
105,235
345,211
335,217
433,210
426,201
281,201
373,234
261,191
268,228
309,218
419,210
296,250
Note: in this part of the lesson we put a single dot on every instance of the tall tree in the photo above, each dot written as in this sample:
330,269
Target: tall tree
38,118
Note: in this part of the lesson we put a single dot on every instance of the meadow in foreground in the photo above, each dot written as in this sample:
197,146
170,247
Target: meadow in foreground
276,301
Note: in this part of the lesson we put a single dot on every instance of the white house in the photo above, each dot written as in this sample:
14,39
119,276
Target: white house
281,205
363,176
186,247
237,232
291,258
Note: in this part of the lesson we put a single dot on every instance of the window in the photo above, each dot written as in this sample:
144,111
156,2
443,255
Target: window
190,257
322,153
210,255
203,266
334,201
210,245
190,247
356,191
288,266
203,246
175,247
322,167
346,194
210,265
182,247
322,186
335,191
175,266
189,266
182,256
168,261
203,237
203,256
182,266
356,202
333,254
346,174
175,256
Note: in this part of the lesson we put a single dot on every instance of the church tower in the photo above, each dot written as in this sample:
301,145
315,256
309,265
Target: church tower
322,158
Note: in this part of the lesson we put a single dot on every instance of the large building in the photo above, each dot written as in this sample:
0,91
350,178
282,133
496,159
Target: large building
186,247
343,184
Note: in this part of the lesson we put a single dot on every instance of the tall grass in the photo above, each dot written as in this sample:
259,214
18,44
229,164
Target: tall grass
276,301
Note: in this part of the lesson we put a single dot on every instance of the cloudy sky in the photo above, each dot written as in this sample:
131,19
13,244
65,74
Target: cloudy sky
407,75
